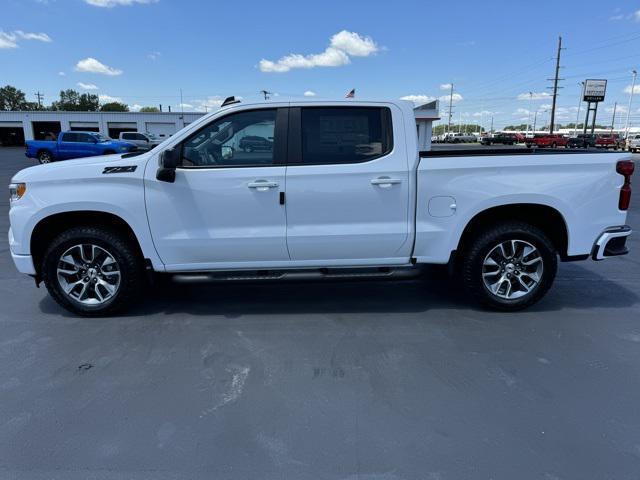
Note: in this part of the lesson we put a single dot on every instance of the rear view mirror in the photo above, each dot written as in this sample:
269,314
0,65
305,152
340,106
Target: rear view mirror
169,160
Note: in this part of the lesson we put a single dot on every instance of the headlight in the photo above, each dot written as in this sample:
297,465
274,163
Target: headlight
16,191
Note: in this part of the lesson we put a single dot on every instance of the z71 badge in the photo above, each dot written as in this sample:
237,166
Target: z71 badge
125,169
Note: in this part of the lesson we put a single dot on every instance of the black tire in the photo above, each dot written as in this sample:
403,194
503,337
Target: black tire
554,145
473,256
44,156
126,255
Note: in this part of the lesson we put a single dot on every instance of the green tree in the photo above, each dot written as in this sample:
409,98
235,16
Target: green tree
149,109
114,107
465,127
72,101
12,99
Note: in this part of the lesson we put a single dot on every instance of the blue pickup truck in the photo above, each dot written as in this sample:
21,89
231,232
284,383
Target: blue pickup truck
75,145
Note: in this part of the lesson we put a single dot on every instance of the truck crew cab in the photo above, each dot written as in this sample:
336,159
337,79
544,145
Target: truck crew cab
343,192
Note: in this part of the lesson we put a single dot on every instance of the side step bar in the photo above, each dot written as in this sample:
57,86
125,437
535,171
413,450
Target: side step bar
303,274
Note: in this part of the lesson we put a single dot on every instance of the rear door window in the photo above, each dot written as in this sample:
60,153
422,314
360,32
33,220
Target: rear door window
338,135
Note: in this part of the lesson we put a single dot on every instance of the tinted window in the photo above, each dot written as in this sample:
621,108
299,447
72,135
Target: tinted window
345,135
70,137
239,139
85,138
128,136
139,136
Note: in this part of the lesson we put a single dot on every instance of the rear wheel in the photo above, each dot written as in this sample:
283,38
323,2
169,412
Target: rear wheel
45,157
92,271
510,266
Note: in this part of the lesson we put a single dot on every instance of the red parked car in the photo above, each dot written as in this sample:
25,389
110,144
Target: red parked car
607,141
552,141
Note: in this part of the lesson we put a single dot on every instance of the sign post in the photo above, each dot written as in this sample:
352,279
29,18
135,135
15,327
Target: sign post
594,92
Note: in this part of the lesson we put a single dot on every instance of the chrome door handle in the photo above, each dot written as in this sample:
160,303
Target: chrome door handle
385,182
262,185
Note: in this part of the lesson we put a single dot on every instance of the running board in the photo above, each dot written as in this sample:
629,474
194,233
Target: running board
306,274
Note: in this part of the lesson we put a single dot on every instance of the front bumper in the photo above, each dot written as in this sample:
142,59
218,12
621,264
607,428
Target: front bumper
24,263
611,243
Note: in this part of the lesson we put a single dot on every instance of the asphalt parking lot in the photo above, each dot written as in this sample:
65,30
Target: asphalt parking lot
365,380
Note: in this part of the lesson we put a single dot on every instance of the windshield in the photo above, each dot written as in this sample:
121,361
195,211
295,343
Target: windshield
100,137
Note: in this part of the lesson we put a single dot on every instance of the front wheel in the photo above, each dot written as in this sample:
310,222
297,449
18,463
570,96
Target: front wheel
45,157
92,271
510,266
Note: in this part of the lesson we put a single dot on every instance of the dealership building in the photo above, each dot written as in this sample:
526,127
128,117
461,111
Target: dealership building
17,127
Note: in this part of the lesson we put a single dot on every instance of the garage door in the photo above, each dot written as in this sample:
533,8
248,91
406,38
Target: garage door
162,130
11,133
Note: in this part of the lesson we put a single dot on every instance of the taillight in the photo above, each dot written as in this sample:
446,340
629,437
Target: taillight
625,168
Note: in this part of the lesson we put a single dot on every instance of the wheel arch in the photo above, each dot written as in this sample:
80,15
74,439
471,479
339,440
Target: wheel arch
546,218
51,226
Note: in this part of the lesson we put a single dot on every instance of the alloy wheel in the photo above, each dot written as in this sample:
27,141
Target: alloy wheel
512,269
88,274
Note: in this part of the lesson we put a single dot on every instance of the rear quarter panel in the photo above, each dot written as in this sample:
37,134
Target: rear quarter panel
583,188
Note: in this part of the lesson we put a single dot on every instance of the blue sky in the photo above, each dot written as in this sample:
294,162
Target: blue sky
143,51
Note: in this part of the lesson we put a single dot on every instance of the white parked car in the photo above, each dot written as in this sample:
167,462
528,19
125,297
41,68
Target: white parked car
633,143
344,192
142,141
459,137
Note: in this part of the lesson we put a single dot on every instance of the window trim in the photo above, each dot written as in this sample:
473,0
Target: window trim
294,151
279,144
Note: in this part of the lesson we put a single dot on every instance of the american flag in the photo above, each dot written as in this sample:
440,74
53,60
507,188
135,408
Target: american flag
351,94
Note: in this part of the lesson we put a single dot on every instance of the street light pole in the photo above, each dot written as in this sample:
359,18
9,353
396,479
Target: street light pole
575,127
633,86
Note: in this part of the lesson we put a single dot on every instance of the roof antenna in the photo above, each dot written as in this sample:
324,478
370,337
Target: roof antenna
229,101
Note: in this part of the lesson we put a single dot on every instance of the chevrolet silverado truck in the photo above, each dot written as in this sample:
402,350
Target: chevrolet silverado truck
344,193
75,145
547,140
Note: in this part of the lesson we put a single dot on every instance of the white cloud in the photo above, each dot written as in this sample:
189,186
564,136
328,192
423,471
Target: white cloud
309,93
619,109
41,37
636,15
636,89
445,86
135,107
418,99
11,39
456,97
87,86
185,105
62,74
483,113
154,56
116,3
534,96
521,112
91,65
353,44
342,46
108,98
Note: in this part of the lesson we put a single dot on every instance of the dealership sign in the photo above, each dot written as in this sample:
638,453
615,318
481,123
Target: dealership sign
594,90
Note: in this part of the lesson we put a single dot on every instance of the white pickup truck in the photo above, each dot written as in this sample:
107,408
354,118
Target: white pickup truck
343,192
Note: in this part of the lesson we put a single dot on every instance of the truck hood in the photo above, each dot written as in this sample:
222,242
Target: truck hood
79,168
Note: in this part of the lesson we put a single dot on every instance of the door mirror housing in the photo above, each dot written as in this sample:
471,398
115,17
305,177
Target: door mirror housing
227,152
169,161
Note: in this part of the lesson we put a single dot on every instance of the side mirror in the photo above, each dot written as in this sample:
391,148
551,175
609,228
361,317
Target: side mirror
227,152
169,160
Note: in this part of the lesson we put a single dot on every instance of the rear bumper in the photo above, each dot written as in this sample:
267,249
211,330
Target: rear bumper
611,243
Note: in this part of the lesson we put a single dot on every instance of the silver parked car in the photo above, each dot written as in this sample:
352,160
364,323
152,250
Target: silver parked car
143,141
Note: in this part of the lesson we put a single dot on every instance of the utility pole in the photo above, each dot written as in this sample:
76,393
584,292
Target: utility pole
555,86
529,113
613,119
633,86
575,127
40,97
492,124
450,108
535,119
